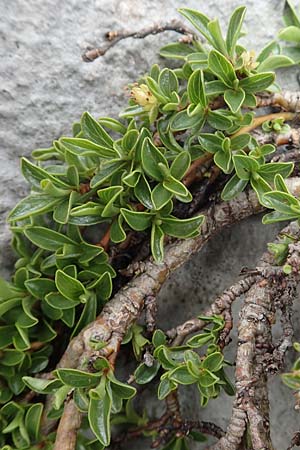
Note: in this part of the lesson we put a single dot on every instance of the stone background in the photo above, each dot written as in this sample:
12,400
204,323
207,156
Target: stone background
44,87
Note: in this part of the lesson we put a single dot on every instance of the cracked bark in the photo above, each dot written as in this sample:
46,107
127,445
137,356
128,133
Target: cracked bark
254,353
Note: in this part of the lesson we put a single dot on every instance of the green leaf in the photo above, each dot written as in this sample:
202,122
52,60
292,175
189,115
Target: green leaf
210,142
35,174
199,340
223,160
168,82
290,16
84,147
46,238
77,378
199,20
182,121
107,197
32,206
99,417
106,171
207,379
222,68
261,187
160,196
258,82
216,36
181,375
112,124
165,387
233,187
117,233
41,385
181,228
138,221
234,99
39,287
157,243
244,166
274,62
269,170
33,419
175,186
94,131
176,50
290,34
151,157
239,142
234,29
122,390
196,89
142,192
144,374
218,120
68,286
180,165
213,362
281,201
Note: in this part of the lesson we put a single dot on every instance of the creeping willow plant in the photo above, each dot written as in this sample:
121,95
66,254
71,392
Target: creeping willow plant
129,176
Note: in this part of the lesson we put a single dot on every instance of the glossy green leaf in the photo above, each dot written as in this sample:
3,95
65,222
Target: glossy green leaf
213,362
94,131
33,419
85,147
181,375
106,171
182,121
122,390
176,50
234,29
165,387
68,286
157,243
290,16
32,206
244,166
99,417
234,99
175,186
41,385
181,228
77,378
274,62
168,82
196,89
233,187
258,82
151,157
46,238
160,196
142,192
218,120
138,221
144,374
207,378
222,68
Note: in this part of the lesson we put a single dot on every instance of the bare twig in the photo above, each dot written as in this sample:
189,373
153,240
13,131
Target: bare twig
222,303
254,354
288,100
113,37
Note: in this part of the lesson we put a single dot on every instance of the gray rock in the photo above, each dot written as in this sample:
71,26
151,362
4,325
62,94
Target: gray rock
45,86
